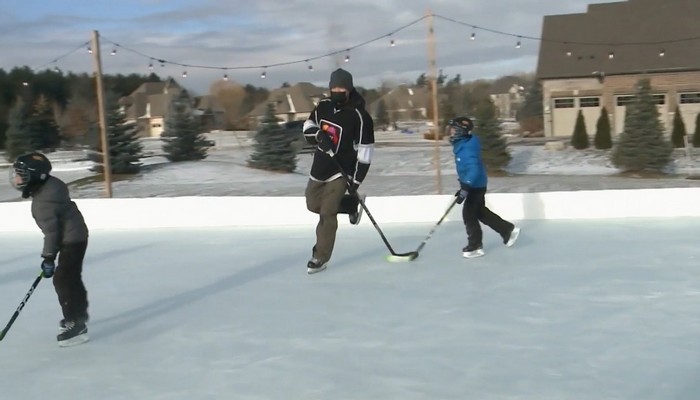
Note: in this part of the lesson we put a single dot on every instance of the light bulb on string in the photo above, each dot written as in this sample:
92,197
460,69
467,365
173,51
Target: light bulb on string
310,67
347,58
150,66
611,55
114,52
662,53
184,74
473,36
263,75
518,45
225,76
25,83
392,43
89,50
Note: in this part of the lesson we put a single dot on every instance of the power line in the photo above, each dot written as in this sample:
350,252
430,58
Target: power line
305,60
611,44
59,58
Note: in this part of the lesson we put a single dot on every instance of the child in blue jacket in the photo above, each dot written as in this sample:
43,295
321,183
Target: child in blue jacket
472,192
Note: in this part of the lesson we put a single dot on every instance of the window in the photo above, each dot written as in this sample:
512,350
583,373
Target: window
624,100
589,101
156,125
563,103
690,98
659,99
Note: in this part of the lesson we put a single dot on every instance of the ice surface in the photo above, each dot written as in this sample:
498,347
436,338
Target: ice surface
575,310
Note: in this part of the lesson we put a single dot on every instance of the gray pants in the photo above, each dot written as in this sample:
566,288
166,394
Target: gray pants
324,198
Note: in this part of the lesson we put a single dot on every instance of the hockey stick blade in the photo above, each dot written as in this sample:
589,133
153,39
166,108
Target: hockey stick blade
403,257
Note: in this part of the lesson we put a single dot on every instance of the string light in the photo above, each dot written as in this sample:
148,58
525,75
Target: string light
392,43
184,74
225,76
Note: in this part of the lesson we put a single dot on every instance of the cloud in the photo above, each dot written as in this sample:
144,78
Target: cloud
244,33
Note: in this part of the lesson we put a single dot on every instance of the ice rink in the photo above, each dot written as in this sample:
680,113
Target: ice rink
596,309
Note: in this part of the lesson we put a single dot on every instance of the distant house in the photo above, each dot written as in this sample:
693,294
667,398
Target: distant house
404,103
578,76
148,105
211,114
507,94
292,103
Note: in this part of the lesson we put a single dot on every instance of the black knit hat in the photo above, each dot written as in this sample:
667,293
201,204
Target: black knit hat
341,78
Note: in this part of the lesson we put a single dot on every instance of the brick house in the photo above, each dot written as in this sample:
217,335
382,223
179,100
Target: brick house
578,76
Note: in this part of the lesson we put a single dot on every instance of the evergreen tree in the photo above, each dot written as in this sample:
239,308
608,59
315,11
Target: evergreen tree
696,134
382,114
531,113
602,139
679,132
20,138
642,145
125,149
579,139
273,149
183,138
494,149
43,124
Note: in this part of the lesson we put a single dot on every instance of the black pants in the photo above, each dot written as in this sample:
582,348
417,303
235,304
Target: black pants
68,281
474,211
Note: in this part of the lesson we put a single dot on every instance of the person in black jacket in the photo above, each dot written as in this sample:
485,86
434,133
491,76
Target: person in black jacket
65,237
341,129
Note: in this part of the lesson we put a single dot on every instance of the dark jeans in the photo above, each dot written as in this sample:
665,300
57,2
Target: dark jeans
474,211
68,281
326,199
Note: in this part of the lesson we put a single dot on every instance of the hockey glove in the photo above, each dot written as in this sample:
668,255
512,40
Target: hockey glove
325,143
461,195
49,267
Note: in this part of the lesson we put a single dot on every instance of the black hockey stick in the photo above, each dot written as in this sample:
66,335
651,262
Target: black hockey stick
395,257
21,305
432,231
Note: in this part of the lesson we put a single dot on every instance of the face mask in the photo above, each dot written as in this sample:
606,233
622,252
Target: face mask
338,97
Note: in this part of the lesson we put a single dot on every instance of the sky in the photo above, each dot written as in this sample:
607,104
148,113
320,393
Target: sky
238,34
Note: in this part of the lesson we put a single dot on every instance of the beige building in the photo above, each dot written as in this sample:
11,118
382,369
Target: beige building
508,94
148,106
403,103
579,72
292,103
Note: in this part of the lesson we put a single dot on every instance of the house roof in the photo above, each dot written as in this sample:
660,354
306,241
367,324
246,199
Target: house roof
403,97
634,21
298,98
157,94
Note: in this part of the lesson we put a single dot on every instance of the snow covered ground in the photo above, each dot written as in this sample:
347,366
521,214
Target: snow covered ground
401,167
585,310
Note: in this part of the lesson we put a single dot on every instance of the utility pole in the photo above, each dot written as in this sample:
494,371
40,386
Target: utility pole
432,72
107,165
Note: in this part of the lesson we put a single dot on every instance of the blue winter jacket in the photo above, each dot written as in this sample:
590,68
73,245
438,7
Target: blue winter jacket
470,167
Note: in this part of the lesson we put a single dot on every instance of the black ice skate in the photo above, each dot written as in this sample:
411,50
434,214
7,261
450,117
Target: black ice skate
315,265
472,251
72,333
510,239
355,217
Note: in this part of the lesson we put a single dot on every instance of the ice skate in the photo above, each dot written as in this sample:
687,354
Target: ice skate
473,251
314,266
72,333
513,237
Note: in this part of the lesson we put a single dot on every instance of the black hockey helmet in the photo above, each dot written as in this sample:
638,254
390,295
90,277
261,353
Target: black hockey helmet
458,127
28,169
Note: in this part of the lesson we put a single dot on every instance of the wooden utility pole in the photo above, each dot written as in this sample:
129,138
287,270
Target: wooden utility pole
432,72
107,164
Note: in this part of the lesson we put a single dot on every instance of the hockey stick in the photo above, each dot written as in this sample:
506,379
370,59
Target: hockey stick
394,257
21,305
432,231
